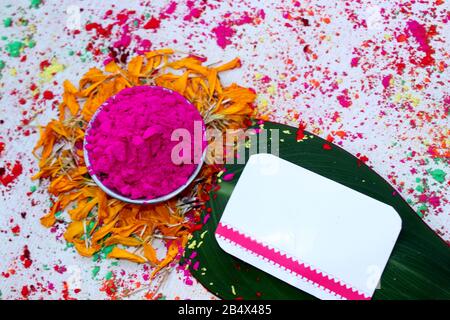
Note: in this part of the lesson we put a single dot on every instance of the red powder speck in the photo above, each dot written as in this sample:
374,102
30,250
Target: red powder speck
103,32
65,292
48,95
326,146
59,269
16,230
301,131
25,257
110,288
153,23
25,292
16,171
2,147
44,64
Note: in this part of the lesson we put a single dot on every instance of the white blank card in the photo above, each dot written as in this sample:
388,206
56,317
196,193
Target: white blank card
309,231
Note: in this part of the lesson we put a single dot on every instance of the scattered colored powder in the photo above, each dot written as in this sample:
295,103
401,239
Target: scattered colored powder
228,177
14,48
48,95
421,35
386,81
15,171
129,143
438,175
2,64
26,258
95,271
7,22
153,23
109,275
223,35
50,70
344,101
35,3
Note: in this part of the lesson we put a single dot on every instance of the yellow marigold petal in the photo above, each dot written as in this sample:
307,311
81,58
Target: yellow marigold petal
126,241
49,219
191,63
150,254
235,63
159,52
103,231
112,67
172,252
84,251
92,76
69,87
135,66
71,102
74,230
124,254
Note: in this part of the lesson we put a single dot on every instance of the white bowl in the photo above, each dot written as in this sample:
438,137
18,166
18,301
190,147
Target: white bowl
121,197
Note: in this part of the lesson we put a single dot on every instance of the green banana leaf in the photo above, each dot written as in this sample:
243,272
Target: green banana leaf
419,267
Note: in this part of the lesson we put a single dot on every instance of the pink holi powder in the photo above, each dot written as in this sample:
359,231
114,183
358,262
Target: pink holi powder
223,34
344,101
386,81
129,142
422,36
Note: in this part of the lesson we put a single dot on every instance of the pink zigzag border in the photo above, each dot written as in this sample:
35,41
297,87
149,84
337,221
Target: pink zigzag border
294,266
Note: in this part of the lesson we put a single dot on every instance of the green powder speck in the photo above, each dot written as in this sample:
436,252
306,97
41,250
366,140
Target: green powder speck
35,3
438,175
7,22
14,48
108,249
420,210
2,64
95,271
31,44
33,188
109,275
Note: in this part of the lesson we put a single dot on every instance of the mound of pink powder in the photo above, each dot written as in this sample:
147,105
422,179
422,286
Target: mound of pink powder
129,143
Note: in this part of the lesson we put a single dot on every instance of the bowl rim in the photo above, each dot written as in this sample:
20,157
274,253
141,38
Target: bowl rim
121,197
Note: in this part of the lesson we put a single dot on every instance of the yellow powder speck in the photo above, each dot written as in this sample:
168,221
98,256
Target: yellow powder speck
51,70
193,244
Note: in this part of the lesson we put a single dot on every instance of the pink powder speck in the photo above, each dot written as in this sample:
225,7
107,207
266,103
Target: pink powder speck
129,142
344,101
354,62
386,81
223,34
